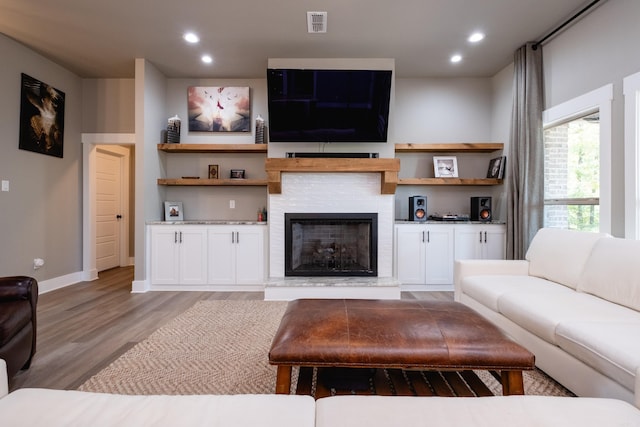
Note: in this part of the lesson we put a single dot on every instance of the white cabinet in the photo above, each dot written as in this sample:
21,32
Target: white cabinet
424,254
480,241
178,255
237,254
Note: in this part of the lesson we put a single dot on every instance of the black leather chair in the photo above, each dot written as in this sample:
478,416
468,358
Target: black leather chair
18,301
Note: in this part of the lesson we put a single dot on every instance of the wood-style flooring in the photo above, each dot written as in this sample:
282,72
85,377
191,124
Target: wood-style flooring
84,327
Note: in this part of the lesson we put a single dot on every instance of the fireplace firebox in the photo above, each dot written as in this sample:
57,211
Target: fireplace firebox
331,244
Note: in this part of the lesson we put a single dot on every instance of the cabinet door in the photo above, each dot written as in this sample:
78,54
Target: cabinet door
165,259
439,255
221,255
193,255
467,242
250,253
494,243
410,253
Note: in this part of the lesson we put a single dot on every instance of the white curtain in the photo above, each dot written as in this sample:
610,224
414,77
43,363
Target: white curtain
525,177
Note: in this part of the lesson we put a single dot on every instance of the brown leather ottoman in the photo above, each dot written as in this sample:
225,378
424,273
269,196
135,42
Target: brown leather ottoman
425,335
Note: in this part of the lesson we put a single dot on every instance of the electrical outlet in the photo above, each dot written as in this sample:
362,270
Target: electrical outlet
232,204
5,185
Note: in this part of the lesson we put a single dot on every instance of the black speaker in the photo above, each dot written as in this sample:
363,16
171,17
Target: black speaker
418,208
480,209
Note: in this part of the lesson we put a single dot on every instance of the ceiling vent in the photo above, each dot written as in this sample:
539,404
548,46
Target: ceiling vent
317,22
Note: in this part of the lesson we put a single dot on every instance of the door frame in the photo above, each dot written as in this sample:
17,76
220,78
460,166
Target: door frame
90,143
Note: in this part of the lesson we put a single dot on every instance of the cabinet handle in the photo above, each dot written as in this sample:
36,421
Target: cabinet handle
422,236
485,237
233,237
175,237
428,236
480,236
237,237
181,237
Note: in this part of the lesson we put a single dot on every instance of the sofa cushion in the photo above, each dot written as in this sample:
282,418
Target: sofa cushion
613,348
541,313
487,289
495,411
613,272
75,408
560,255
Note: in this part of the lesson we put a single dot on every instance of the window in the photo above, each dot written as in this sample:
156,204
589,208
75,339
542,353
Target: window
577,165
572,174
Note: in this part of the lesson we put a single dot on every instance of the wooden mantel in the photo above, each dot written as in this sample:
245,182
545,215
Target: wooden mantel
388,169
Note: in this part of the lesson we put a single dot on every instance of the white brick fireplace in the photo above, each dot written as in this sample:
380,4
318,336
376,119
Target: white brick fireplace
332,192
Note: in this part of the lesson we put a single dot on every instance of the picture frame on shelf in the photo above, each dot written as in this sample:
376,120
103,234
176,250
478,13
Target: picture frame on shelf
497,167
173,211
214,172
237,174
445,166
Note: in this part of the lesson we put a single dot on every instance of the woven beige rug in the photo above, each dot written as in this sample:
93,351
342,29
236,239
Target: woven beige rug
221,347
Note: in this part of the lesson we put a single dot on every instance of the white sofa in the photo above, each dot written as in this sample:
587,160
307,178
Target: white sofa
53,408
574,302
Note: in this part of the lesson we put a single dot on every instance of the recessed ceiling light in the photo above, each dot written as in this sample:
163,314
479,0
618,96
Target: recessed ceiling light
456,58
207,59
191,37
476,37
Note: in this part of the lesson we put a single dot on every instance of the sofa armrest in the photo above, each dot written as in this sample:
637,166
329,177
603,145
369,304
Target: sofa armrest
481,267
4,379
18,287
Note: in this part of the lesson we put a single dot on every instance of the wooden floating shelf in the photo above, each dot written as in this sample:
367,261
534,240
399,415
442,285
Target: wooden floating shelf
213,148
212,182
476,147
449,181
388,169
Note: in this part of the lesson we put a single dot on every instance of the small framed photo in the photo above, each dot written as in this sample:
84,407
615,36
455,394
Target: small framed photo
445,166
237,173
213,172
173,211
497,167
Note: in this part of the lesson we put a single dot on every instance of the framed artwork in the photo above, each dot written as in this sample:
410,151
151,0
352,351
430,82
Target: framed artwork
219,109
445,166
237,173
497,167
41,117
213,172
173,211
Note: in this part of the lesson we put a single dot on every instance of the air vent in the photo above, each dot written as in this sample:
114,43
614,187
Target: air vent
317,22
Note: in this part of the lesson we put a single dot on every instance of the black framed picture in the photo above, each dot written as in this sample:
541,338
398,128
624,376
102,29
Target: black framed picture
497,167
41,117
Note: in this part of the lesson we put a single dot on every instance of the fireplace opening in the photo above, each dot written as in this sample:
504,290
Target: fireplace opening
331,244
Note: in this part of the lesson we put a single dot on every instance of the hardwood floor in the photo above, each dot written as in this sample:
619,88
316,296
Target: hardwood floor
84,327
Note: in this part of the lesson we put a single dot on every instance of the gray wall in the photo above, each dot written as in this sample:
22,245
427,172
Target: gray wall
600,49
41,215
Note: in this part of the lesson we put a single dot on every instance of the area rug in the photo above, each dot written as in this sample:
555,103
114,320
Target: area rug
221,347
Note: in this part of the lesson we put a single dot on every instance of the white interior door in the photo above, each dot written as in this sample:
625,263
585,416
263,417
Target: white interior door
108,209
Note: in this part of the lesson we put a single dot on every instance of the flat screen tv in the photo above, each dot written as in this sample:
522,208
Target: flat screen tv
328,105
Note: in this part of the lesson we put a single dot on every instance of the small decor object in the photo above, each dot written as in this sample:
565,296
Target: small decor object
173,211
497,167
260,130
41,117
213,172
173,130
237,173
445,166
219,109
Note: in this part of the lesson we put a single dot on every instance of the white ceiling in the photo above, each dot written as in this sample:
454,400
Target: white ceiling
101,38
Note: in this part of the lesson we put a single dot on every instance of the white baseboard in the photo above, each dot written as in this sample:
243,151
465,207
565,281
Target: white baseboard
49,285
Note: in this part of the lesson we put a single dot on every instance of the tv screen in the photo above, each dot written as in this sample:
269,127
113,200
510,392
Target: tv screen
328,105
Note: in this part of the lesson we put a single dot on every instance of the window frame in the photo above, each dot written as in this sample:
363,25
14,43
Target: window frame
599,100
631,91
